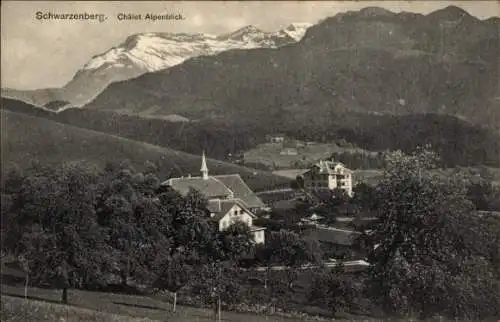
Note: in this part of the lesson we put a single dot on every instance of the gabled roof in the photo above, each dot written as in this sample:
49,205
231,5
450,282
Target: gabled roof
331,167
337,236
220,207
210,187
241,190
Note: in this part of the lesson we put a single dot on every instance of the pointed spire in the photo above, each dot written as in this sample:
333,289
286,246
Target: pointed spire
321,166
204,168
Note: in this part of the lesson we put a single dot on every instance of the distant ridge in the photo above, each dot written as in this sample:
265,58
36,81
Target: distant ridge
367,61
150,52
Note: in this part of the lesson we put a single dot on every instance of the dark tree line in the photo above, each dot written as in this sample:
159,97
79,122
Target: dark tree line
76,226
358,160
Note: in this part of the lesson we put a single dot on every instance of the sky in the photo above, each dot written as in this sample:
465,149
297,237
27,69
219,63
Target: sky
47,53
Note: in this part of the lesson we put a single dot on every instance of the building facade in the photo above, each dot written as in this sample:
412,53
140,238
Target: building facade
275,138
228,212
328,174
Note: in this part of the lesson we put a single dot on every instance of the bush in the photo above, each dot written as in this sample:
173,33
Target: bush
333,290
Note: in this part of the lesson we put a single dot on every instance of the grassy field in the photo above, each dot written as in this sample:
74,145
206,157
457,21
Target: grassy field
25,138
43,305
15,309
269,154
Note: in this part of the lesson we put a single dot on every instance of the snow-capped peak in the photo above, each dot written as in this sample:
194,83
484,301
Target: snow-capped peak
246,32
151,51
297,30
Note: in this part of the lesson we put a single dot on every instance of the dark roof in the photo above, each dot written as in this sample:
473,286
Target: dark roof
329,167
337,236
220,207
210,187
241,190
222,210
231,185
285,204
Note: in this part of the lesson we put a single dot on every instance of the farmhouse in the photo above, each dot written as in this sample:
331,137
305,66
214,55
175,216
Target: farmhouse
289,151
276,138
227,212
229,197
328,174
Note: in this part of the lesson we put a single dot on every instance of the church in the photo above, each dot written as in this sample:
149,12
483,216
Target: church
229,198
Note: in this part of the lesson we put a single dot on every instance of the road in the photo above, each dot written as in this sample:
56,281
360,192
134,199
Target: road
349,265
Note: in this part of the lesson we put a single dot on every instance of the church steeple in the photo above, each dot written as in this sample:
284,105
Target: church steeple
204,168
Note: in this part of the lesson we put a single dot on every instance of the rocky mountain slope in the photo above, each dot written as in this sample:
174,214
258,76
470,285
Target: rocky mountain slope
149,52
370,61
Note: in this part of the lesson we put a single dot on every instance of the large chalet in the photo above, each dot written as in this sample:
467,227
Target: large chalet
328,174
229,198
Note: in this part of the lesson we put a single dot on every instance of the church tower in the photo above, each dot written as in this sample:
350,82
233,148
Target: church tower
204,168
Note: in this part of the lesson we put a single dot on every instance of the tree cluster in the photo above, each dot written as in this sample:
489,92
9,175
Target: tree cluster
360,160
431,253
77,226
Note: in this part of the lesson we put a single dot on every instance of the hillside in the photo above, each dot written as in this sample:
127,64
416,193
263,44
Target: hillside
27,138
458,142
149,52
371,61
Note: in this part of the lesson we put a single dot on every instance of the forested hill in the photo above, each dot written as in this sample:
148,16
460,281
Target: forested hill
458,142
27,139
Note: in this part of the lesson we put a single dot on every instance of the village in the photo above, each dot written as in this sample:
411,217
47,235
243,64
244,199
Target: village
250,161
316,206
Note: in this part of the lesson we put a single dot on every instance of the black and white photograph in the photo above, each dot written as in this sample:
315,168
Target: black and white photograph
250,161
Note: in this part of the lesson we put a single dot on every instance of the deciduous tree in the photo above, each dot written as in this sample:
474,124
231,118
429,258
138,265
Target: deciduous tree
424,244
173,274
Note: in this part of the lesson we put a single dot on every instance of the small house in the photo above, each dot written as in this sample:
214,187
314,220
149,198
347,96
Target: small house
276,138
289,151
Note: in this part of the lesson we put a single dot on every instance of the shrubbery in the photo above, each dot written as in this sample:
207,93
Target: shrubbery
79,226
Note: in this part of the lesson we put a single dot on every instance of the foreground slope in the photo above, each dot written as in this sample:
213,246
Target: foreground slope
27,138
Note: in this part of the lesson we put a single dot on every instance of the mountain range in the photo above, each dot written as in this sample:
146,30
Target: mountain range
369,61
150,52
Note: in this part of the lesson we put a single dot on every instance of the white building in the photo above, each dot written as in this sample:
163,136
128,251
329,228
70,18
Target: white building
328,174
228,212
276,138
